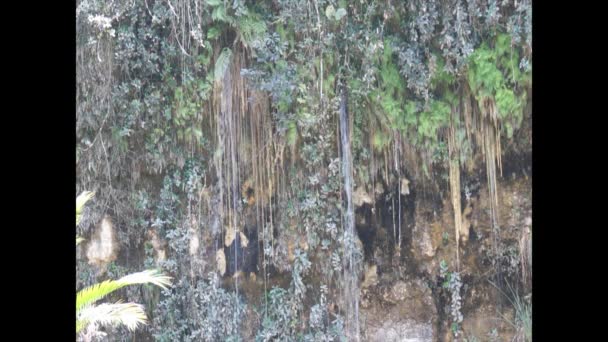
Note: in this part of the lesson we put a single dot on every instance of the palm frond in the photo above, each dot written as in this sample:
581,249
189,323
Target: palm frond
95,292
129,314
81,200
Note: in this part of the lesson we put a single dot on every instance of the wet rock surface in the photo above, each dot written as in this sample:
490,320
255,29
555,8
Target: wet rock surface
402,311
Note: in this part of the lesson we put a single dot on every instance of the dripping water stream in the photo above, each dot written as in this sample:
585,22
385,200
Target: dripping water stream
350,269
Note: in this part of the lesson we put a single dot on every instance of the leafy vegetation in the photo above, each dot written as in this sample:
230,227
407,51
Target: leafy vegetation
181,103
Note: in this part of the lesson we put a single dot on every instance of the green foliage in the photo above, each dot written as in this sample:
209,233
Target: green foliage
391,96
453,284
494,73
523,312
222,63
251,28
436,117
200,312
279,319
146,72
187,117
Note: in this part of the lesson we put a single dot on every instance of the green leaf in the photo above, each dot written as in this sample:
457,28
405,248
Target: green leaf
292,133
341,12
219,14
330,11
213,33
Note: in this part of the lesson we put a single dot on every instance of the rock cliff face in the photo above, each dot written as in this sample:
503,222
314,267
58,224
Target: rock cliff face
103,247
412,286
408,288
309,170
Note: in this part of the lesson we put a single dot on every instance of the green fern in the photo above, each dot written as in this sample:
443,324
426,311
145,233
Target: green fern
219,13
250,28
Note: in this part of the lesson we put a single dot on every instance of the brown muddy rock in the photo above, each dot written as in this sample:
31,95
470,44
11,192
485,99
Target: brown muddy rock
515,231
296,242
360,196
422,244
482,317
194,239
378,191
229,235
220,260
404,311
427,232
158,245
466,223
483,320
103,247
514,208
371,276
405,186
404,330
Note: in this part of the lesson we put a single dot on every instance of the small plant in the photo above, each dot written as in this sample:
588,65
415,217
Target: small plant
523,313
455,328
493,335
453,284
471,339
445,238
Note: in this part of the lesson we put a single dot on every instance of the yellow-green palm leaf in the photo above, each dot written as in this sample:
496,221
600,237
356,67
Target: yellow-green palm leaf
131,315
81,200
93,293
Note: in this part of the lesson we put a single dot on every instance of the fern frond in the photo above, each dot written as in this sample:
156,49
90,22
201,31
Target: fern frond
250,28
219,14
93,293
129,314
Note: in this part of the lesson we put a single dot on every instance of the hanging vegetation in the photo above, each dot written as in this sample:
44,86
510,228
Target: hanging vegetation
221,127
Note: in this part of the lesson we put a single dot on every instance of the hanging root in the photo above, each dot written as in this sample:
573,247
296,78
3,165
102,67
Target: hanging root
455,185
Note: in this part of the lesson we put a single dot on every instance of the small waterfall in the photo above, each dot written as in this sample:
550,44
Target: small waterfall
228,135
350,267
